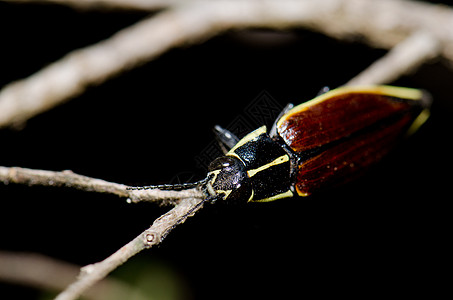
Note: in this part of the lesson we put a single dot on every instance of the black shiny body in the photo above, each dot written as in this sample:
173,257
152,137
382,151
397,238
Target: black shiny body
263,165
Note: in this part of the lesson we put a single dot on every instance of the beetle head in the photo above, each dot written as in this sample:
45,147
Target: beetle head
228,176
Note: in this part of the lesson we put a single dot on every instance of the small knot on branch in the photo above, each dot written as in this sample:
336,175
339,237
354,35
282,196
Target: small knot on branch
151,238
87,270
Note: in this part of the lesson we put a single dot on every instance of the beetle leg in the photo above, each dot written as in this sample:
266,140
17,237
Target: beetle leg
324,90
226,138
273,131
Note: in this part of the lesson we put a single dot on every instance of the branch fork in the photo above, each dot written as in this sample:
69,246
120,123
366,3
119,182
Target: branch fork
414,32
186,203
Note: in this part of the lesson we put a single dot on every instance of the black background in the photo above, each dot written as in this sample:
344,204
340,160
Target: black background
384,234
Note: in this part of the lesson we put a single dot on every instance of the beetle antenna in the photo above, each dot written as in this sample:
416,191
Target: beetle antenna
171,187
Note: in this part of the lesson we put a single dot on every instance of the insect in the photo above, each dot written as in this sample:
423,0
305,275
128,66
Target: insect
318,144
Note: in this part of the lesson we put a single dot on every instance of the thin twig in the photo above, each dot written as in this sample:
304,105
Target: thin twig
154,235
401,60
383,23
186,202
72,180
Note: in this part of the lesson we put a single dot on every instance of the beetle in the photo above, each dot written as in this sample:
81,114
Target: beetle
313,146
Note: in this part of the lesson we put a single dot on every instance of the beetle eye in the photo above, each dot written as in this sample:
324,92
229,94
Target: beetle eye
221,163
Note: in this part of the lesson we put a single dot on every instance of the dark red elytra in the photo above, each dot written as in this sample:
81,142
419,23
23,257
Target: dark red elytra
337,118
347,160
338,136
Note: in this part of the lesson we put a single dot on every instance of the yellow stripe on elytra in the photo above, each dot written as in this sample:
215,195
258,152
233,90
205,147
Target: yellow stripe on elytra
393,91
277,161
421,118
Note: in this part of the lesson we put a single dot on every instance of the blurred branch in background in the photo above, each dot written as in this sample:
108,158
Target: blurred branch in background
50,274
383,24
414,32
400,60
146,5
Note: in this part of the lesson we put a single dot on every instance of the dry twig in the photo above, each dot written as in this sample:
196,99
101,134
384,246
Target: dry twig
70,179
400,60
414,31
188,202
154,235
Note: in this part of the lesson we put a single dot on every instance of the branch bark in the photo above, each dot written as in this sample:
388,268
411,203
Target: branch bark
383,23
90,274
72,180
400,60
186,202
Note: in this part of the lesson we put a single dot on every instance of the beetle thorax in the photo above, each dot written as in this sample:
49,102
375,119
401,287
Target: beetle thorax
256,169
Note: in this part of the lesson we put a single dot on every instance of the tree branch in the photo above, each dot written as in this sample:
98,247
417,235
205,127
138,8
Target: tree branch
383,23
186,202
90,274
400,60
71,180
